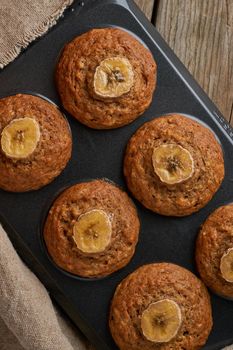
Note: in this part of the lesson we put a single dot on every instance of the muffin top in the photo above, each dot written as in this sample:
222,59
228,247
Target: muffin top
106,78
214,251
173,165
92,229
160,306
35,142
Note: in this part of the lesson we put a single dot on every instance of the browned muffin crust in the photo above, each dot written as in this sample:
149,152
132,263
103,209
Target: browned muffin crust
151,283
52,153
75,75
77,200
183,198
214,239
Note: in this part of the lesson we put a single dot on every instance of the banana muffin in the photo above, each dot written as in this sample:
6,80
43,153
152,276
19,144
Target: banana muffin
106,78
173,165
214,251
92,229
35,143
160,306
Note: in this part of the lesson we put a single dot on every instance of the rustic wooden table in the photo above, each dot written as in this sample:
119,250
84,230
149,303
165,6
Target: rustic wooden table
201,34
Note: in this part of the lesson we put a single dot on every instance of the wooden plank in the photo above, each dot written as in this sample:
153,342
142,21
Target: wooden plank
201,34
146,6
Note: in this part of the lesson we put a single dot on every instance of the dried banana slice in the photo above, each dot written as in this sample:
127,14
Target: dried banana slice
20,138
161,321
226,265
113,77
172,163
92,232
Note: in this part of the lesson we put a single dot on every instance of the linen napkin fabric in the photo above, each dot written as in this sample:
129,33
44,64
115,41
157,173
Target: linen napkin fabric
28,319
22,21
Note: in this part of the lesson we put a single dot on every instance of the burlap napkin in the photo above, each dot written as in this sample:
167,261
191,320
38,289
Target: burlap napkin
28,319
22,21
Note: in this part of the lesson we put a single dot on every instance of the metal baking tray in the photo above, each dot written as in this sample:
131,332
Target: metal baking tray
99,154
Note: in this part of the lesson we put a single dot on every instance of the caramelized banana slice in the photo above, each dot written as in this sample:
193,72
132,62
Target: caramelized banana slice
92,232
161,321
226,265
172,163
113,77
20,138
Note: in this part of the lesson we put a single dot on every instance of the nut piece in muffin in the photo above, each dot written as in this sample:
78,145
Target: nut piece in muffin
106,78
35,142
173,165
214,251
92,229
160,306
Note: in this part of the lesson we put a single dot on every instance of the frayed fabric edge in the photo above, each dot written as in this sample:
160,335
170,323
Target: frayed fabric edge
34,34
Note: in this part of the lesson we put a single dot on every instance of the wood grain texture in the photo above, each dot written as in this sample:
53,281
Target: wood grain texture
201,34
146,6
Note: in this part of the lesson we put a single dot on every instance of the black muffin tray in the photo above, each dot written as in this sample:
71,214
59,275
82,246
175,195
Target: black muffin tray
99,154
